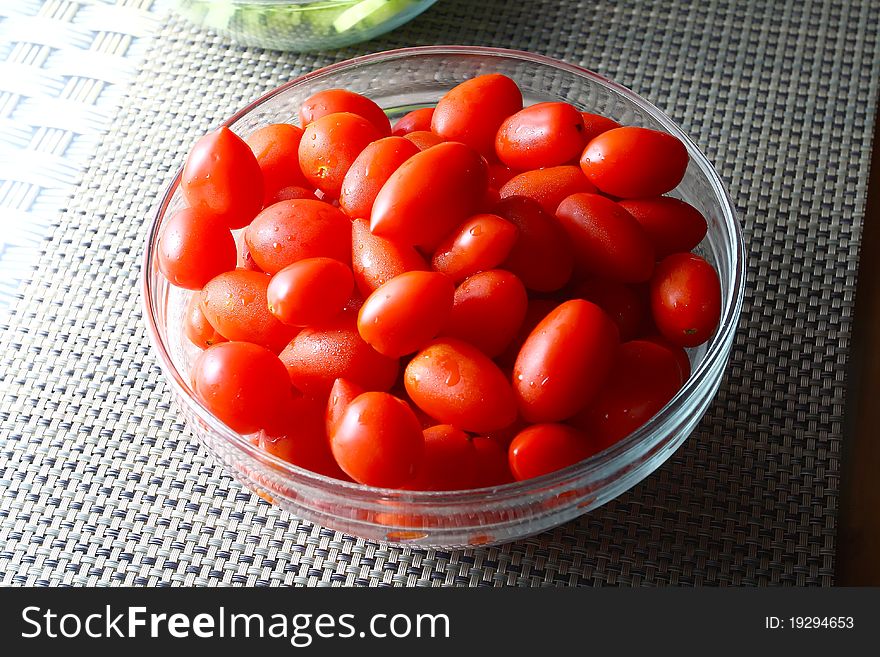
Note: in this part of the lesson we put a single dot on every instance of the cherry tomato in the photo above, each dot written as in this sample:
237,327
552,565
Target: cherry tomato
681,356
197,327
489,308
449,462
194,247
504,436
644,378
482,242
303,440
414,121
472,112
310,291
290,193
537,310
607,241
490,200
406,312
544,448
423,139
541,135
378,441
456,383
294,230
222,176
633,162
243,384
370,170
342,394
491,461
332,101
376,260
685,299
548,186
499,174
621,302
276,148
235,304
595,125
411,212
329,147
245,259
318,355
541,256
672,225
564,361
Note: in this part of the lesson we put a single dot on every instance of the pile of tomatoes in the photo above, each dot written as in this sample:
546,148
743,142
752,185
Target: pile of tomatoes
483,293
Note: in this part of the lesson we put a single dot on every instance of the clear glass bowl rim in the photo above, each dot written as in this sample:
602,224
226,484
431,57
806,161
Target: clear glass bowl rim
618,456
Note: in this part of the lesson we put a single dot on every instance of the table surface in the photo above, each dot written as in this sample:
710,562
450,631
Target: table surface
100,482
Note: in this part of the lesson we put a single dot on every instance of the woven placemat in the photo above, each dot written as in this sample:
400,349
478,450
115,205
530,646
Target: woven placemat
102,484
64,66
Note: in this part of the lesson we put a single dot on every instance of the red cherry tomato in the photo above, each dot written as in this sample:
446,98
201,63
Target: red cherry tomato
243,384
499,174
423,139
490,200
290,193
235,304
245,259
503,437
595,125
633,162
607,241
548,186
370,170
303,440
222,176
489,308
623,304
449,462
378,441
410,212
329,147
310,291
414,121
318,355
482,242
491,461
541,135
342,394
544,448
332,101
644,378
276,148
672,225
681,356
686,299
197,327
457,384
194,247
564,362
536,311
406,312
376,260
294,230
472,112
541,256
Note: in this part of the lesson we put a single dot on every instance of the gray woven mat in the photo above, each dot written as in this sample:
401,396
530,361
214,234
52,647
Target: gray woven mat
101,484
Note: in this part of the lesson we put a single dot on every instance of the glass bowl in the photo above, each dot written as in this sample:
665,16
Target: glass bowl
399,81
301,25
